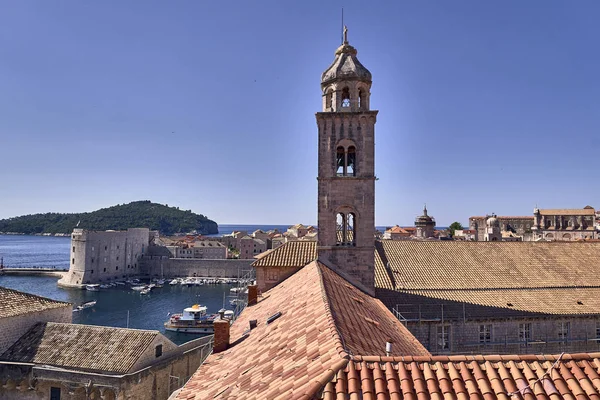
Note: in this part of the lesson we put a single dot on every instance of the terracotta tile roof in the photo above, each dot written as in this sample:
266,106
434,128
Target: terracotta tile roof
576,211
13,302
538,277
432,265
84,347
528,377
323,320
290,254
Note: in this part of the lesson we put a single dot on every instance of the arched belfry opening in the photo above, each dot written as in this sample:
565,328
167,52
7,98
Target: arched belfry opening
345,160
346,199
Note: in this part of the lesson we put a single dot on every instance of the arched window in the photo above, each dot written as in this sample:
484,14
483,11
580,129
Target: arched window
346,97
361,100
345,223
351,161
340,230
328,98
345,161
340,161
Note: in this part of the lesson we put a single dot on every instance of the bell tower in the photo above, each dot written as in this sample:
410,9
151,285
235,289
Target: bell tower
346,195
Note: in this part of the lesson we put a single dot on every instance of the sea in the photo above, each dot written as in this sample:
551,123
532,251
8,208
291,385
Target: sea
118,307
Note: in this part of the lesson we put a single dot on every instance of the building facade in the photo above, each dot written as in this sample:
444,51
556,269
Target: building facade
564,224
346,180
103,256
425,225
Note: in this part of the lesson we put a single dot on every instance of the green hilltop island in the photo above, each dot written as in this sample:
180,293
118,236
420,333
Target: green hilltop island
167,220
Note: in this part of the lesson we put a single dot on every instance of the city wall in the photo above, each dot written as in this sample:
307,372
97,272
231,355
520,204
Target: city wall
158,266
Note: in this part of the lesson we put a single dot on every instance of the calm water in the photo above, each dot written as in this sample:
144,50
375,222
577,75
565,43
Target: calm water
145,311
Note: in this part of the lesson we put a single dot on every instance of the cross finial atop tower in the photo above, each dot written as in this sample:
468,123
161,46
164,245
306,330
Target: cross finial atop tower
425,209
345,34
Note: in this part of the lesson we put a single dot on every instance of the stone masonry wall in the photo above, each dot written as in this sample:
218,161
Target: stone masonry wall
12,328
179,267
507,337
105,256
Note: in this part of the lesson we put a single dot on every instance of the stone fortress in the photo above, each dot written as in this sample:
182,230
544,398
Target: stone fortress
103,256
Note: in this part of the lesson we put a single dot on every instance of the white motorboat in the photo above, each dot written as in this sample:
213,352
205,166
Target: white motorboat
85,305
138,288
93,287
193,320
145,291
174,282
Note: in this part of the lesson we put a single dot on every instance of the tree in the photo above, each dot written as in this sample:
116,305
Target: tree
453,227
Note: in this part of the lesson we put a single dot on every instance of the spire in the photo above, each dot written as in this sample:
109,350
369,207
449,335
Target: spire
425,209
345,34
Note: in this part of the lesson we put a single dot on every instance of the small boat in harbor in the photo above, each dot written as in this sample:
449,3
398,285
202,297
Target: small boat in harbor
85,305
193,320
138,288
145,291
93,287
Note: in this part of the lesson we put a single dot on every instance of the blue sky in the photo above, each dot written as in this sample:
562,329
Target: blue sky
209,106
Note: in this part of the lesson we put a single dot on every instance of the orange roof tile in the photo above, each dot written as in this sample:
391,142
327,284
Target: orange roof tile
290,254
569,376
324,320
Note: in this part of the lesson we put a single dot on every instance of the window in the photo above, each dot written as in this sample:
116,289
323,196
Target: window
73,261
117,268
92,271
73,249
346,97
158,350
105,248
564,331
525,332
485,333
345,229
104,269
54,393
443,337
92,260
346,161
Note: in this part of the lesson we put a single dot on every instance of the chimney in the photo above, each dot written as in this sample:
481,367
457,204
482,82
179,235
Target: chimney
221,343
252,294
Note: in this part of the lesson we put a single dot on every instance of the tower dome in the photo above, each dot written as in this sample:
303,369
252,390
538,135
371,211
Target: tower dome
346,83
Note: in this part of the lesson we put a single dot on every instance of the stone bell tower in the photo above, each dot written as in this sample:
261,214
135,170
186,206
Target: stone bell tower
346,199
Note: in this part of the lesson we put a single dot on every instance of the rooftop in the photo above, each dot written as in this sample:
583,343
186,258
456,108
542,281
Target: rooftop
13,302
567,376
83,347
324,322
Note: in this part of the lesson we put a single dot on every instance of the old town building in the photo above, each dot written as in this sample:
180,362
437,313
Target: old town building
71,362
425,225
20,311
545,224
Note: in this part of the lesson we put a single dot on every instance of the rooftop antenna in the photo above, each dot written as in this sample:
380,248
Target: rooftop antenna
342,25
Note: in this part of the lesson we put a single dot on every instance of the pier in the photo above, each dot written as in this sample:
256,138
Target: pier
58,272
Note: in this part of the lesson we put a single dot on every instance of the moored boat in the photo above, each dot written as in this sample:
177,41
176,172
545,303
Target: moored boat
92,287
193,320
85,305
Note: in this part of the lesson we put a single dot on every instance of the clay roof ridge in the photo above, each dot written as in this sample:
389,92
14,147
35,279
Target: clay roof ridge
480,358
487,289
343,351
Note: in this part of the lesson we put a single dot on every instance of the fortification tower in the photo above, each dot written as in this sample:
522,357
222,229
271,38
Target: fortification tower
346,196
